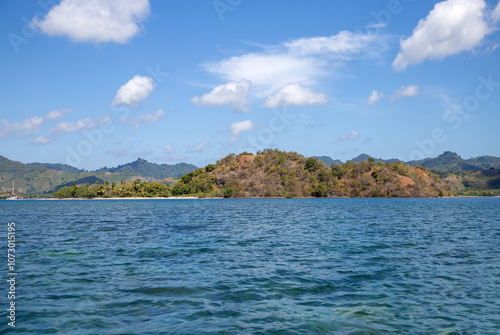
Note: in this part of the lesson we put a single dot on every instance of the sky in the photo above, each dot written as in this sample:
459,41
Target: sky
103,82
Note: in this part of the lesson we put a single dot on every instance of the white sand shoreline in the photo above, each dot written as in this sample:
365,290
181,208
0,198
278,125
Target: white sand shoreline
122,198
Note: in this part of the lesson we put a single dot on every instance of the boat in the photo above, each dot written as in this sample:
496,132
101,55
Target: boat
14,196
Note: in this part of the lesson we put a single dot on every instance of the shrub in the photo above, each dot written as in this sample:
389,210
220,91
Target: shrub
228,192
311,164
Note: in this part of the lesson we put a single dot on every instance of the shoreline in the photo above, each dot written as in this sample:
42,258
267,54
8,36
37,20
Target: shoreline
117,198
196,198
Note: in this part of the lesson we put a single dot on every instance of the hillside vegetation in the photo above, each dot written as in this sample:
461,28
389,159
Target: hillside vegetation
473,183
146,169
274,173
447,161
38,179
107,190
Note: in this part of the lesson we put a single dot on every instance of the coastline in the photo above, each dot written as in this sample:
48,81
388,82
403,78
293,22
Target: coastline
118,198
202,198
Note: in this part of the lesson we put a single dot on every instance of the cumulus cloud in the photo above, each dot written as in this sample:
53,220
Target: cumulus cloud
496,13
238,127
70,127
406,91
97,21
269,72
301,61
42,140
352,136
295,94
168,149
145,118
29,126
374,97
451,27
57,114
134,91
235,94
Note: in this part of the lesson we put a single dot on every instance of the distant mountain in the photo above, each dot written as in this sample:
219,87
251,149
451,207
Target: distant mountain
365,157
448,161
42,178
485,162
90,180
328,160
29,179
58,167
158,171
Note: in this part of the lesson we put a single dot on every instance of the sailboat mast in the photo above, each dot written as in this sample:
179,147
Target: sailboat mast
12,187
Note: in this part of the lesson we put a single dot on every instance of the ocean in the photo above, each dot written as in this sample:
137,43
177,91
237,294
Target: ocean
253,266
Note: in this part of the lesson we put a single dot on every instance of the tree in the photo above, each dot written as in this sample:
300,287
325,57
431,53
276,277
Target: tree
311,164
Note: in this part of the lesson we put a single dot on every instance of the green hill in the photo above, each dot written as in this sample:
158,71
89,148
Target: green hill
365,157
273,173
29,180
448,161
144,168
485,162
36,179
328,160
473,183
58,167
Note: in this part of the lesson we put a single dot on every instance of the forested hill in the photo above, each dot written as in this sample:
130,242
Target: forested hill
146,169
274,173
447,161
36,179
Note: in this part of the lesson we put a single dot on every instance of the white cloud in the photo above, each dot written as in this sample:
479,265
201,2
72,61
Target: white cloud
238,127
345,45
374,97
145,118
451,27
352,136
295,94
301,61
134,91
42,140
70,127
57,114
29,126
406,91
95,20
200,146
269,72
235,94
495,15
168,149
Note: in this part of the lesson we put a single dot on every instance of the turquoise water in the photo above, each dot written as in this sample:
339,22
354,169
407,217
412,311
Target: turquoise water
315,266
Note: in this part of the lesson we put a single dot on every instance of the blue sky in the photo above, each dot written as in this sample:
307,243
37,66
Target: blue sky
101,83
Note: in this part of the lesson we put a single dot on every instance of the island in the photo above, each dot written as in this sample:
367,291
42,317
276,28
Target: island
272,173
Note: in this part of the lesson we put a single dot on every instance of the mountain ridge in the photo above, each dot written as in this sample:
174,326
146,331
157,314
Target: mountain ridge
43,178
36,179
447,161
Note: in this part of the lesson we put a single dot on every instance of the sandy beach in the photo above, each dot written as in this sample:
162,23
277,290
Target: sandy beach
121,198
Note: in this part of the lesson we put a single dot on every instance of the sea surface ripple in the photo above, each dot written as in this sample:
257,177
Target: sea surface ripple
289,266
